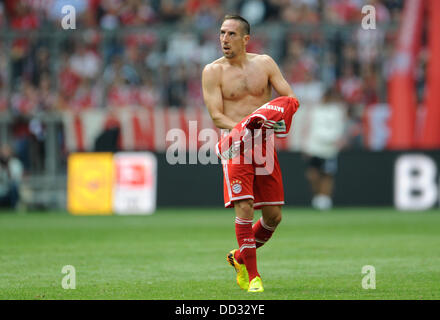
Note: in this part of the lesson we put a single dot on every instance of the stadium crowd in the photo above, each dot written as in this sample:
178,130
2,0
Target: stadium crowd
150,53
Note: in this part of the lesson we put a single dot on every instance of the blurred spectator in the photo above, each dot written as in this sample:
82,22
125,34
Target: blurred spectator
107,12
395,9
180,47
254,11
350,58
148,95
300,61
22,16
21,19
11,174
327,121
369,44
310,90
41,7
87,96
113,70
3,97
46,97
37,144
120,93
207,50
370,80
341,11
301,12
132,67
109,140
25,101
3,79
85,62
205,14
377,133
174,86
68,83
2,15
350,86
41,65
194,87
136,13
171,10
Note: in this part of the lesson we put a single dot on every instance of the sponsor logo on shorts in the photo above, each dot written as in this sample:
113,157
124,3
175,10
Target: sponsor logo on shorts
236,186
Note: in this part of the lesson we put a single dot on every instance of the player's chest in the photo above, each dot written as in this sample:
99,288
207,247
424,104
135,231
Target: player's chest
236,84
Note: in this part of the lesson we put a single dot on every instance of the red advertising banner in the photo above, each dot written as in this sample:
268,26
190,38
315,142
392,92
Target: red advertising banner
430,138
402,91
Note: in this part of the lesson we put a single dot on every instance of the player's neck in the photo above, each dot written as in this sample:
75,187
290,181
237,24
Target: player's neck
239,60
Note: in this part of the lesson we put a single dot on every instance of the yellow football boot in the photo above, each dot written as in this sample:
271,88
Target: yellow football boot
256,285
242,274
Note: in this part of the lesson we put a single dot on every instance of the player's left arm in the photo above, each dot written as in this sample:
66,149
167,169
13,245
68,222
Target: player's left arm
276,78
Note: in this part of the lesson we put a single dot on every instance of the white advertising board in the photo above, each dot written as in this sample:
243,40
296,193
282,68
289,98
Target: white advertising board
134,190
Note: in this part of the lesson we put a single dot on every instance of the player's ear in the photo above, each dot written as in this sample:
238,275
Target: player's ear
246,39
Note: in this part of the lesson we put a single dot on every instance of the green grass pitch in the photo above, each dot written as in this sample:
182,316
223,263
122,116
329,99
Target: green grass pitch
180,254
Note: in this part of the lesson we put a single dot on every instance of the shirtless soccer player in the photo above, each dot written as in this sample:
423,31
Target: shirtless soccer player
233,87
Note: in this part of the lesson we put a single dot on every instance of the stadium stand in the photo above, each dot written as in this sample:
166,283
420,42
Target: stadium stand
139,63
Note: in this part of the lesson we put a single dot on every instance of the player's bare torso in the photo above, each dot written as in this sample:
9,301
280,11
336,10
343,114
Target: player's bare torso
244,88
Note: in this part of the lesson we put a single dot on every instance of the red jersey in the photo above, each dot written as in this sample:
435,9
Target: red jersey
277,115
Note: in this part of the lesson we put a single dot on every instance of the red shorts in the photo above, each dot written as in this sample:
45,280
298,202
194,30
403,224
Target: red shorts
244,181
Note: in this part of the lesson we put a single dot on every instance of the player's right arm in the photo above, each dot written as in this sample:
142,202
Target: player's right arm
212,95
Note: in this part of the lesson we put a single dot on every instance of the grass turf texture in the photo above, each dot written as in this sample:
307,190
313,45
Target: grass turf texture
180,254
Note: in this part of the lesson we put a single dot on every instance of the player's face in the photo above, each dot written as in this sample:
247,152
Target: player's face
232,39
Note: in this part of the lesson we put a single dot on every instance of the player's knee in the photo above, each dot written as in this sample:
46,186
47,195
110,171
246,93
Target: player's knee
272,216
274,220
278,218
245,207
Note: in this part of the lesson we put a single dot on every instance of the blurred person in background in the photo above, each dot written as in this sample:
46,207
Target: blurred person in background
325,138
11,174
3,96
3,74
109,139
85,62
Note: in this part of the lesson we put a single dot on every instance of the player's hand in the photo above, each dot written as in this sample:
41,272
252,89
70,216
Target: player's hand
296,102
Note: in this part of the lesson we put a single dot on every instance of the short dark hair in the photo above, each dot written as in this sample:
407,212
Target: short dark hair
245,24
